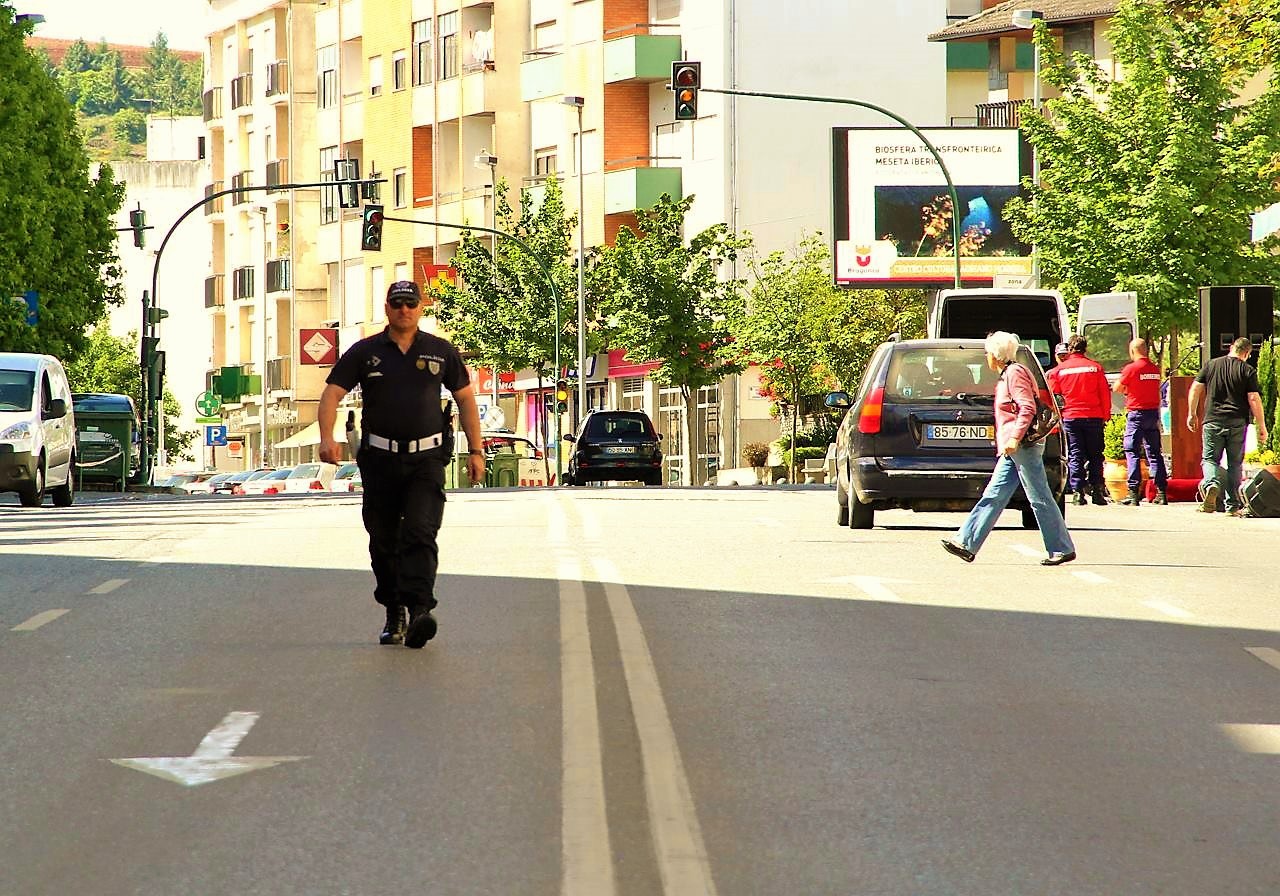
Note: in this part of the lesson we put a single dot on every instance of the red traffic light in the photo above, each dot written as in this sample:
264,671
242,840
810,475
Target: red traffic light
375,217
687,74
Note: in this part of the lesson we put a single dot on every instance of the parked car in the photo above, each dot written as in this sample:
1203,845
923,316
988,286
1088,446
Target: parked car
37,430
270,484
239,487
502,442
190,483
228,486
347,479
919,433
310,478
615,445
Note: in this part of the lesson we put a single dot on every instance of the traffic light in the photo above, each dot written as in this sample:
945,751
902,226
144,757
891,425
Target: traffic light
562,396
138,221
686,79
371,229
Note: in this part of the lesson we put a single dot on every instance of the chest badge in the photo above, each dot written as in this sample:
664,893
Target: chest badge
422,365
434,367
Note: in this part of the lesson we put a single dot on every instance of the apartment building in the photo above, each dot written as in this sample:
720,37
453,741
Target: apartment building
443,97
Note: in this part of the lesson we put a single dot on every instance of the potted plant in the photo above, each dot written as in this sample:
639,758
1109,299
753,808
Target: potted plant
1115,469
756,456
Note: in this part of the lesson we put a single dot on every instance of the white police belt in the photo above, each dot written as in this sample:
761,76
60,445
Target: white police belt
405,446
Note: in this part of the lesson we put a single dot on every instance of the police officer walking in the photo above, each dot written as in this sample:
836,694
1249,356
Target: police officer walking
1086,407
1140,384
406,441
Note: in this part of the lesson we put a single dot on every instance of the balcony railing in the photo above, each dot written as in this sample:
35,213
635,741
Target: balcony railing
238,181
242,283
241,90
277,173
280,372
213,291
1007,114
211,101
278,78
278,275
216,205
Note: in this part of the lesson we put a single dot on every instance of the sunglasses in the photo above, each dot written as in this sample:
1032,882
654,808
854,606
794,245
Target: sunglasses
401,302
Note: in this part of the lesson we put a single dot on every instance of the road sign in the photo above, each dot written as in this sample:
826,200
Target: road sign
215,436
319,345
208,404
212,420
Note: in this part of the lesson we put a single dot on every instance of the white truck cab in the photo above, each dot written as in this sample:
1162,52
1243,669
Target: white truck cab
1109,320
37,429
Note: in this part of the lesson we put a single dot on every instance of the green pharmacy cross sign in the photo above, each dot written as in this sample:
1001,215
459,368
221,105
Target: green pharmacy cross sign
208,404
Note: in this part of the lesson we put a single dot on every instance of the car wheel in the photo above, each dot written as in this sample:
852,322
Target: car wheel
33,495
1029,518
842,507
861,516
65,495
653,478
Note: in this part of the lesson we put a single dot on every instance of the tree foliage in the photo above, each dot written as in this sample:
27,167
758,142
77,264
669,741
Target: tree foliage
669,301
57,233
110,364
1148,183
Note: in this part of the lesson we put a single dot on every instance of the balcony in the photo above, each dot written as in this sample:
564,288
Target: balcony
640,57
279,277
479,80
211,101
214,207
1007,114
632,188
239,181
214,295
242,283
541,75
278,81
277,173
280,373
242,91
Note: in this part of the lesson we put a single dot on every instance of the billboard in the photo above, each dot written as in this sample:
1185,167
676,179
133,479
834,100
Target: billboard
892,210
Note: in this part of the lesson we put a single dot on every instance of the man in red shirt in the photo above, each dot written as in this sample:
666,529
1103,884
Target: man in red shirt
1140,384
1086,407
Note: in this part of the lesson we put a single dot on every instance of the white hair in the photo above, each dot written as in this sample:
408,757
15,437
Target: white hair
1002,346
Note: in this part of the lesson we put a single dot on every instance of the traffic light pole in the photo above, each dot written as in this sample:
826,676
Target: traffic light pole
151,312
555,302
951,187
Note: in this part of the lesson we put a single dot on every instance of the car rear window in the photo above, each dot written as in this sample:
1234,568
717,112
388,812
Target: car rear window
305,471
938,373
617,425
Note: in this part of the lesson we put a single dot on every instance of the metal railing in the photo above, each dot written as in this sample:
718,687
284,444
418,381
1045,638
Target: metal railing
239,181
278,78
215,205
211,102
1007,114
242,283
277,173
242,90
278,275
280,372
214,293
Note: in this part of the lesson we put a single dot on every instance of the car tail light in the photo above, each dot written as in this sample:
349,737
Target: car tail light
271,490
238,490
316,485
872,408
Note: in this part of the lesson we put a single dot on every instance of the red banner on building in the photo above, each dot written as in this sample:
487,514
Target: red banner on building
317,345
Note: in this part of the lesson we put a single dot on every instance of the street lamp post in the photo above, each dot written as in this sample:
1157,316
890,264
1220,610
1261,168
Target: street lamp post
1026,18
262,314
485,160
578,102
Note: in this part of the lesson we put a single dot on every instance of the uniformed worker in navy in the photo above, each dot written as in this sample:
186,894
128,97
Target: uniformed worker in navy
406,442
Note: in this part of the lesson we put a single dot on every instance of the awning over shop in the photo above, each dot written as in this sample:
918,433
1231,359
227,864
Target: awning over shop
310,434
619,366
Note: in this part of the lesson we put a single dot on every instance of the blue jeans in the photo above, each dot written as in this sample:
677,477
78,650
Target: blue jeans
1215,440
1142,432
1026,465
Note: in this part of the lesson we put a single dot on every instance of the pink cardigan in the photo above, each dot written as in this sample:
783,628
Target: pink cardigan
1015,404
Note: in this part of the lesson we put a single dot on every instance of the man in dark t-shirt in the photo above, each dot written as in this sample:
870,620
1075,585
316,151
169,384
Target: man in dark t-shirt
406,441
1231,386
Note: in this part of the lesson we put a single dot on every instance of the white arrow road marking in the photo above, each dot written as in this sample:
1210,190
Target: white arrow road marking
1254,738
873,587
107,587
38,620
1168,609
1091,577
1268,655
212,760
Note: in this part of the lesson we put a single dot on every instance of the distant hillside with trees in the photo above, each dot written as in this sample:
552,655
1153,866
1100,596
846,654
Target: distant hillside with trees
113,88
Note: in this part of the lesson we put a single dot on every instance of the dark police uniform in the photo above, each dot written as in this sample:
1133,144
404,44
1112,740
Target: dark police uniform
405,445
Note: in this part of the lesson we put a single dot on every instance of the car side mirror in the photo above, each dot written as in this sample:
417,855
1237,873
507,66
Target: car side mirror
838,400
659,437
570,437
57,408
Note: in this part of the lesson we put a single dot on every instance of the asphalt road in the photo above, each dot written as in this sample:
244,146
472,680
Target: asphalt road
637,692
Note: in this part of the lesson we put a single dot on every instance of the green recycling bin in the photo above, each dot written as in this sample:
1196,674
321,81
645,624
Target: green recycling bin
503,471
455,472
107,439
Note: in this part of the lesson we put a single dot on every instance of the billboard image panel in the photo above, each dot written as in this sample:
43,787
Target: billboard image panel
893,217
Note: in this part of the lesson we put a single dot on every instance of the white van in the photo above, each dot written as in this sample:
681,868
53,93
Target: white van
1039,317
37,430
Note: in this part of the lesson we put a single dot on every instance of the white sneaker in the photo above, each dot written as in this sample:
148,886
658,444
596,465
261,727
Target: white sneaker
1209,502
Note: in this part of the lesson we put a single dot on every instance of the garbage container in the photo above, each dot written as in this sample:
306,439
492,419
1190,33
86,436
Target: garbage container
107,439
455,472
503,471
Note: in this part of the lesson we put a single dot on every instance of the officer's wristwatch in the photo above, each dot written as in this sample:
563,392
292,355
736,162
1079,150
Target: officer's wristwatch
476,451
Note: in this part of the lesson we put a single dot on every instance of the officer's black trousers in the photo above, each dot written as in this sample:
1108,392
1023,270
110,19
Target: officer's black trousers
403,508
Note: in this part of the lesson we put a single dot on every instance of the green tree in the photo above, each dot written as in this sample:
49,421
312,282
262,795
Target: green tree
1148,183
860,320
789,308
110,364
129,126
169,85
669,301
501,313
57,232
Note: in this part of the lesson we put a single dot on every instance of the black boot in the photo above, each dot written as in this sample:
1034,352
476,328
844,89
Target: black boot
393,631
1079,500
1131,499
1099,496
422,628
1162,497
